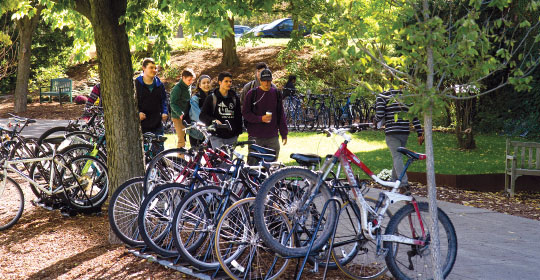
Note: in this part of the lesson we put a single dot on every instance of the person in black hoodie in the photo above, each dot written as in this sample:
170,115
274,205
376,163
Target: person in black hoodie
223,105
152,99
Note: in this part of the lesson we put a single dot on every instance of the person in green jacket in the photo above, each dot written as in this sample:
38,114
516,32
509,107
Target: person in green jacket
180,95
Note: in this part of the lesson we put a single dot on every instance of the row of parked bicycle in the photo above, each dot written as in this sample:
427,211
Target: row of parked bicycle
208,208
311,112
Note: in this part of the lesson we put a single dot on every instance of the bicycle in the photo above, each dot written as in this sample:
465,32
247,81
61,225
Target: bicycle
82,181
405,239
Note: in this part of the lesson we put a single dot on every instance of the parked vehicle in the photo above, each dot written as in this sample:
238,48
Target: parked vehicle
280,28
240,29
254,30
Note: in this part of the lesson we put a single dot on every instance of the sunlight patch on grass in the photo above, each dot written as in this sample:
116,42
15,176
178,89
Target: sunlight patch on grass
370,147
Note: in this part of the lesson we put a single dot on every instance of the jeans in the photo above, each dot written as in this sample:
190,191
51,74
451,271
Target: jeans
394,141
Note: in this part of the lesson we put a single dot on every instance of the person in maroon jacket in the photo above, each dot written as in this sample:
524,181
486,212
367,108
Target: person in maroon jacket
264,115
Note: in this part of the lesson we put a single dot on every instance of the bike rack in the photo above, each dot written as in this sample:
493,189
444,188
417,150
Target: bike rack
309,253
174,263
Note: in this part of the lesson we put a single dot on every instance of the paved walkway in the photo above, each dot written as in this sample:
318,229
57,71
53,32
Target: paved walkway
37,128
491,245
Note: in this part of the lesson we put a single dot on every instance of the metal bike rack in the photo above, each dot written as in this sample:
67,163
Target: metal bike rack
174,263
309,253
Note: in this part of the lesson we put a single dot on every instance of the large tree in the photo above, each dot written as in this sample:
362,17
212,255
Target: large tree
122,126
27,19
435,52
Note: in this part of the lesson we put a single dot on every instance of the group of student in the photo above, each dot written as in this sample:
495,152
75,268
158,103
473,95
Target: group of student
258,107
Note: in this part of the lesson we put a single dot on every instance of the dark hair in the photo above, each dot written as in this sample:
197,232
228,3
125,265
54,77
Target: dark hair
291,78
188,72
147,60
261,65
223,75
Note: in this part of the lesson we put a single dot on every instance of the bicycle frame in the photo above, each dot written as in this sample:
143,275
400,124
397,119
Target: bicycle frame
54,163
344,155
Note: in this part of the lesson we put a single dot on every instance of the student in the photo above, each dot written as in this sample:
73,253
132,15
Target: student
204,85
396,129
222,106
264,115
255,83
180,95
152,99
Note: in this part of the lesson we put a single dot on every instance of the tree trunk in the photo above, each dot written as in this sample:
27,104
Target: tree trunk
228,47
430,164
122,126
26,28
465,110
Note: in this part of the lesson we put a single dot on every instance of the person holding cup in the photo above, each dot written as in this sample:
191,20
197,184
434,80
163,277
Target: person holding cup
264,115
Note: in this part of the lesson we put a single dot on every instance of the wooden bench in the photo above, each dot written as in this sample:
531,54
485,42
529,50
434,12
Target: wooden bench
522,158
59,87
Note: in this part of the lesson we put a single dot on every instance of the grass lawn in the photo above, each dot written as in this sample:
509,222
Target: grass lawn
370,147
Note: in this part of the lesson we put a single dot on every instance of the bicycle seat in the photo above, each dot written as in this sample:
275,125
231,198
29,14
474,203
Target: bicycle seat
261,149
411,154
260,156
306,159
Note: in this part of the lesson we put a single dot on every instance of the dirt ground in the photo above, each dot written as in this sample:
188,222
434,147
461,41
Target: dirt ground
46,245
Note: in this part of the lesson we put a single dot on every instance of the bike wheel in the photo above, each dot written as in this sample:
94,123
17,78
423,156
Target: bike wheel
75,150
170,166
124,207
353,253
195,222
407,261
11,203
25,149
239,249
310,119
278,203
156,216
86,182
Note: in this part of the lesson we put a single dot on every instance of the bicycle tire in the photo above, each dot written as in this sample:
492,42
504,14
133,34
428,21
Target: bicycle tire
75,150
124,207
310,119
11,203
237,245
399,259
23,150
57,131
355,255
165,168
194,225
85,182
156,216
282,191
